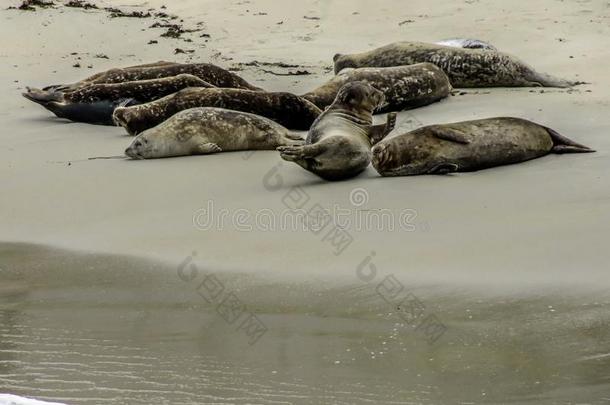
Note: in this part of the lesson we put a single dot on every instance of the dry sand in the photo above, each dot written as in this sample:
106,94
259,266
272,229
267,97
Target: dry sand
544,221
513,260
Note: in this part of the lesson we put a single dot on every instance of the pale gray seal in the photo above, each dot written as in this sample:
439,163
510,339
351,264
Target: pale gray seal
286,109
209,130
95,103
468,146
404,87
465,67
467,43
338,145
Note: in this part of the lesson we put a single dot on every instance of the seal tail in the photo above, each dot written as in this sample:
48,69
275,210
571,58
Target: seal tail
546,80
561,144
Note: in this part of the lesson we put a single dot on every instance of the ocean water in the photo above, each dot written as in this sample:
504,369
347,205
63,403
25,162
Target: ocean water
93,329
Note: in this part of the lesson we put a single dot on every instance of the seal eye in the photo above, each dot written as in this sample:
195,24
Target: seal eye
145,140
138,144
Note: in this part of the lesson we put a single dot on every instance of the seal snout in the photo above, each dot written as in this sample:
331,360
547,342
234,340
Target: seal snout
130,152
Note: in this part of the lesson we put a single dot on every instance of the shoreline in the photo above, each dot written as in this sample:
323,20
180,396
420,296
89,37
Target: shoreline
541,220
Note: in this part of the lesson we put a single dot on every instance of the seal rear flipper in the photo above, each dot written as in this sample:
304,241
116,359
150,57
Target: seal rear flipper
561,144
546,80
450,134
299,152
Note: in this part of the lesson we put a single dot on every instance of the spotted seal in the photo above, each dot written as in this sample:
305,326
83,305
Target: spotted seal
88,80
286,109
468,146
465,67
338,145
95,103
208,130
404,87
215,75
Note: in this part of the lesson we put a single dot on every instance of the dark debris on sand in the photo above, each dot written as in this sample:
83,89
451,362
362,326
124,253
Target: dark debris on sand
116,13
30,5
81,4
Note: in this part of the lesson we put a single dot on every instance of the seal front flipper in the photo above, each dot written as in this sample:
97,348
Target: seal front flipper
450,134
207,148
444,168
378,132
562,144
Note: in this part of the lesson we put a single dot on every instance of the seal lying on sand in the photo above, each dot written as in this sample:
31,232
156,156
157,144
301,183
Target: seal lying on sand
209,130
215,75
467,43
404,87
286,109
95,103
338,145
88,80
465,67
468,146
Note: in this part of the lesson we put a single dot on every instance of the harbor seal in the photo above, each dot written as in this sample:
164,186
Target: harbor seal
215,75
209,130
95,103
338,145
468,146
88,80
467,43
465,67
404,87
286,109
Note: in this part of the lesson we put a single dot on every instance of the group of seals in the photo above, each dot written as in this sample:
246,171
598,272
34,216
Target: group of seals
468,146
95,103
183,109
94,99
466,67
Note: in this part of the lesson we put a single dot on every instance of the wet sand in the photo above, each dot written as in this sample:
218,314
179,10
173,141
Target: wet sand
95,329
506,243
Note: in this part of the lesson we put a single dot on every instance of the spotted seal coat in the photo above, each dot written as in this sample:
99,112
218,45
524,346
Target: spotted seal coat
286,109
468,146
95,103
338,145
208,130
465,67
404,87
215,75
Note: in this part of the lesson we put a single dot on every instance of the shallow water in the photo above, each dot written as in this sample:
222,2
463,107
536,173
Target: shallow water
94,329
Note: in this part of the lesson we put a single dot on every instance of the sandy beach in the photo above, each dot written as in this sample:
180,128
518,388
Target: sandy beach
537,230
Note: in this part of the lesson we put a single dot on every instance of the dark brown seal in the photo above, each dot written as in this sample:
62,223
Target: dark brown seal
286,109
465,67
95,103
468,146
404,87
338,145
